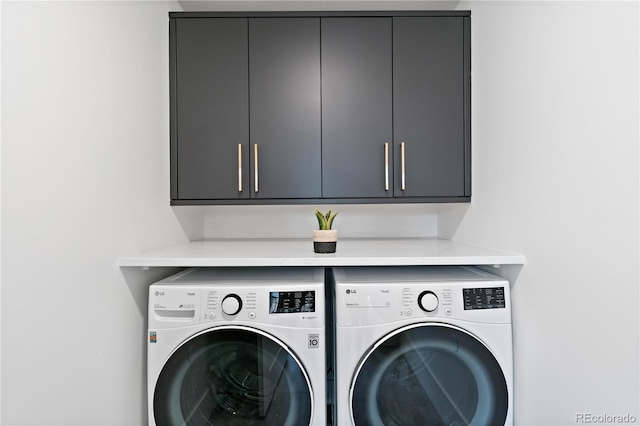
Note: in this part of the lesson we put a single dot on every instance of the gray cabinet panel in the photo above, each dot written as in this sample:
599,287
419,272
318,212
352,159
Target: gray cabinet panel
320,94
429,106
356,107
211,102
284,81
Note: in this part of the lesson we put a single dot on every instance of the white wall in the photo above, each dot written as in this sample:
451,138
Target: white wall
85,180
555,169
352,221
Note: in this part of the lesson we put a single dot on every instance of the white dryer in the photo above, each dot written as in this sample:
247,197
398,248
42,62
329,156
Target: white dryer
422,346
230,346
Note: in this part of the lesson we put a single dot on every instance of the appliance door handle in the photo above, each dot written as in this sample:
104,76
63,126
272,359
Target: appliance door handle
403,185
255,167
386,166
239,167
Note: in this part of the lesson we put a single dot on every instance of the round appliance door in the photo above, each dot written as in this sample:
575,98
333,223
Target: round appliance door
429,374
233,376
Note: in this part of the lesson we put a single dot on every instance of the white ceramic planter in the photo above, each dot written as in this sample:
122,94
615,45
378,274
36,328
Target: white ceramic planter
325,240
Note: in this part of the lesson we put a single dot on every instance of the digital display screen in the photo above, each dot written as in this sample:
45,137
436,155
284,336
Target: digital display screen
483,298
290,302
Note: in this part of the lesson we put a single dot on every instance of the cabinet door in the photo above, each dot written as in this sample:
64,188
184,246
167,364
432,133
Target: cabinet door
429,107
356,107
210,109
284,79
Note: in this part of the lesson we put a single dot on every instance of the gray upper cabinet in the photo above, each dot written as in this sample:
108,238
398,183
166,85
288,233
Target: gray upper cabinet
357,107
429,107
284,77
320,107
210,109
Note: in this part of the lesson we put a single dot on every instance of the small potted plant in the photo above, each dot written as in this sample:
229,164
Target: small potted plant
325,238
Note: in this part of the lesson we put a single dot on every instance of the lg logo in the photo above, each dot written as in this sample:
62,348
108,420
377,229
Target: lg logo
349,291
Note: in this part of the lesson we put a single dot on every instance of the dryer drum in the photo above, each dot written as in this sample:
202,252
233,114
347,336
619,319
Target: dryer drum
232,377
429,374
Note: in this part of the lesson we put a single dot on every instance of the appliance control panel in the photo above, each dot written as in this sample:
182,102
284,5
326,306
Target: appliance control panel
483,298
292,302
379,303
228,302
285,305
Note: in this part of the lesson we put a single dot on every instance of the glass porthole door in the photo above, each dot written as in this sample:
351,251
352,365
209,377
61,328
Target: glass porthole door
232,376
429,374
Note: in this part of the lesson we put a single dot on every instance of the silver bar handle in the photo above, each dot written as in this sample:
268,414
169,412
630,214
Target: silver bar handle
239,167
386,166
255,168
403,186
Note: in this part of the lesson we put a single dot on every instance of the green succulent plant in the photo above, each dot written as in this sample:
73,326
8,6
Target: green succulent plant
325,220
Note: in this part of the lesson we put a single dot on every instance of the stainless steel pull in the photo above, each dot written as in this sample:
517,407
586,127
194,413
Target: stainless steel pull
239,167
386,166
255,167
403,186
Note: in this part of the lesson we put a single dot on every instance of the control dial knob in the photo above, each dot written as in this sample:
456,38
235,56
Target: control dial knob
428,301
231,304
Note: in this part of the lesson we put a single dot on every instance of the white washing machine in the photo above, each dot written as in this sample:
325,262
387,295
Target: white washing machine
238,347
422,346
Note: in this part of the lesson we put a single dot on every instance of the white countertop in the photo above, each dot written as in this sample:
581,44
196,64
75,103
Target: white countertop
299,252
